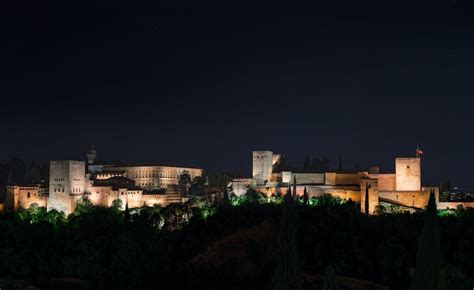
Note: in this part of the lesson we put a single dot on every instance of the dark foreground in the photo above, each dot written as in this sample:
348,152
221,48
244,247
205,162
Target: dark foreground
200,245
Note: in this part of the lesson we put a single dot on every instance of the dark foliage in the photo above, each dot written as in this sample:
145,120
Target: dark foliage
156,247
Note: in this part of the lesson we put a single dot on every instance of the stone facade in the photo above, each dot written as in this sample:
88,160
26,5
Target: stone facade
134,185
25,196
262,166
155,177
67,179
401,188
408,173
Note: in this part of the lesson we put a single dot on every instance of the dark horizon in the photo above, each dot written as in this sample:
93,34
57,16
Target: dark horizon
204,84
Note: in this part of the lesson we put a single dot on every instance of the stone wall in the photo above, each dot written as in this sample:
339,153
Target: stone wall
67,178
262,166
156,177
417,199
335,178
454,205
408,173
386,182
24,197
308,178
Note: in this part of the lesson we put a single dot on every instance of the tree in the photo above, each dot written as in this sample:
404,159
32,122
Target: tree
288,267
428,256
330,280
366,199
117,204
184,180
305,196
126,214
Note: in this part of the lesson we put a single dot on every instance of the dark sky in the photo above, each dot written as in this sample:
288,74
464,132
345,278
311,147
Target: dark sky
204,83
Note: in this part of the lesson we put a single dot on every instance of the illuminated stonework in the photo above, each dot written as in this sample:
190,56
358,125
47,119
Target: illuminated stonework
402,188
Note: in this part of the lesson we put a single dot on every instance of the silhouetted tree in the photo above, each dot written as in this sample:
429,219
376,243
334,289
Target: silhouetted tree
367,199
428,256
330,280
126,214
288,267
305,196
294,186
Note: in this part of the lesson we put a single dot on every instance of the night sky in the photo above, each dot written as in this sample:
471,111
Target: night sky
204,83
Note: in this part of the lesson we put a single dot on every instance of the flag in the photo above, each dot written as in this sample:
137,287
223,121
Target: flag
419,152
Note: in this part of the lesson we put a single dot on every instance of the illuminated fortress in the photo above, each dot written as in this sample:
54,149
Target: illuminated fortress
101,183
402,188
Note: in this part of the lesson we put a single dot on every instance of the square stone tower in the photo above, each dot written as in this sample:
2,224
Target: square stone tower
262,166
408,174
66,181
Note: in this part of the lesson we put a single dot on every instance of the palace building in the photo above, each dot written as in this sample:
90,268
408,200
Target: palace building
101,183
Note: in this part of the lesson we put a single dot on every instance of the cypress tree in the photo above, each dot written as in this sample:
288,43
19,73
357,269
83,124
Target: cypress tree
428,256
305,196
367,199
294,186
126,214
330,280
288,267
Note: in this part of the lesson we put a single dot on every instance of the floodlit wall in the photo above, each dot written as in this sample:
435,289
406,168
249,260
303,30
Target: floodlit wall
156,177
241,185
335,178
454,205
262,166
418,199
408,174
67,178
308,178
24,197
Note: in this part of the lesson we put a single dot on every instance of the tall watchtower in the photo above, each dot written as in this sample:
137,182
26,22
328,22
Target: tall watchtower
262,166
66,180
408,174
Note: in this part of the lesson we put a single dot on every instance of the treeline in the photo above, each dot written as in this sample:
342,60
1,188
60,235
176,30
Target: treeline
227,244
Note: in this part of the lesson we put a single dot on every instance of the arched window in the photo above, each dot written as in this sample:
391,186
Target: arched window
28,195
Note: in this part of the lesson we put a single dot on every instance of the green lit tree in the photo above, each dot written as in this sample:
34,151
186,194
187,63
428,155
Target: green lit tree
330,280
428,256
288,267
117,204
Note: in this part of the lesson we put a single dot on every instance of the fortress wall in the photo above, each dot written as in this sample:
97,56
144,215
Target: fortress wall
316,191
24,197
418,199
262,166
67,177
386,182
353,194
454,205
308,178
153,199
334,178
408,173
